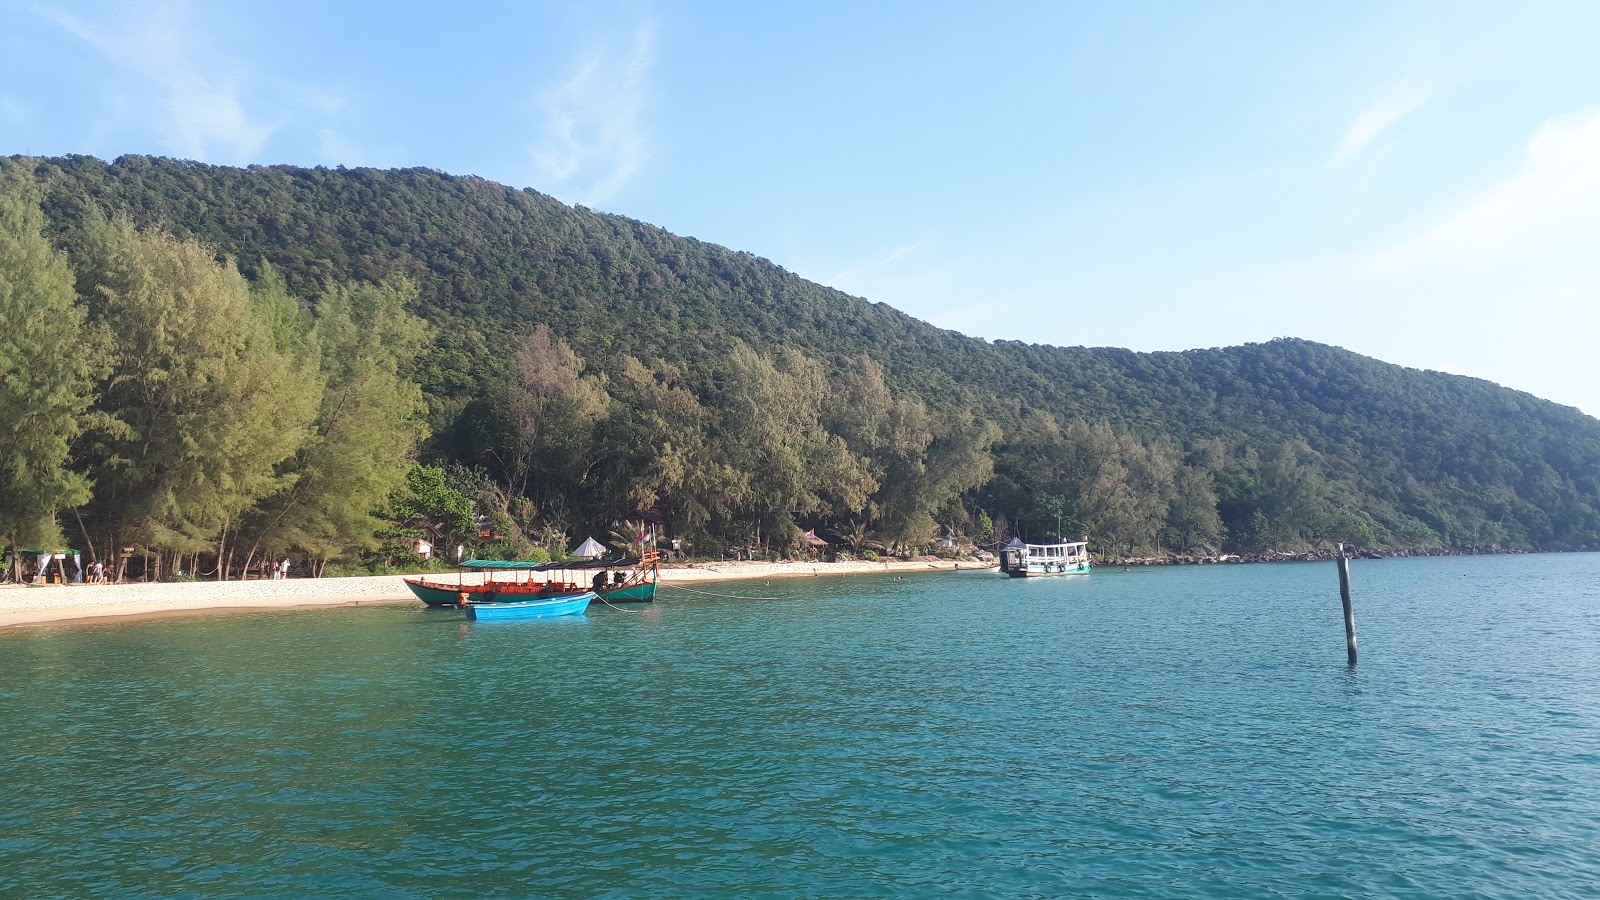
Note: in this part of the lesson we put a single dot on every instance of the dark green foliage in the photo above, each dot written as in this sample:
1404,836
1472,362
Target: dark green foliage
686,352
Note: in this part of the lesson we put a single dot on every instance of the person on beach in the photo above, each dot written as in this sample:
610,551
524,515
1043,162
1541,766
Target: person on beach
283,568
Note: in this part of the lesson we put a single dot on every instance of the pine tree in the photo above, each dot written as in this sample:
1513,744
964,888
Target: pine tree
206,404
46,373
360,445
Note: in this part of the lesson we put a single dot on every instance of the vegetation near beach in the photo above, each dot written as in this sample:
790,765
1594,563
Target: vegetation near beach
216,365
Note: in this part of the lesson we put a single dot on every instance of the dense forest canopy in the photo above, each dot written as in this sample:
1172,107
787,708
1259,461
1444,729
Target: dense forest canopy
578,368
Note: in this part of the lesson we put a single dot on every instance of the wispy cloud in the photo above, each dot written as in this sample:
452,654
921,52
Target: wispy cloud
1550,201
592,139
196,105
1398,102
856,277
12,112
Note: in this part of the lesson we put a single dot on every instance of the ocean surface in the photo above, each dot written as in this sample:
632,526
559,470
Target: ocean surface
1186,732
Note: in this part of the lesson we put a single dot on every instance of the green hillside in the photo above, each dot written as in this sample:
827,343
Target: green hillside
744,402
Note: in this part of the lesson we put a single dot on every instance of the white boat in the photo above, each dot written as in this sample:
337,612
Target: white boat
1021,560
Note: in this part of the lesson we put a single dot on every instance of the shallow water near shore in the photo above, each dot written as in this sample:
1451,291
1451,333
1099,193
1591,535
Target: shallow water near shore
1186,731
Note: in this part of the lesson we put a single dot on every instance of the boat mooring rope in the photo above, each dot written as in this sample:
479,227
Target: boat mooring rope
711,594
614,606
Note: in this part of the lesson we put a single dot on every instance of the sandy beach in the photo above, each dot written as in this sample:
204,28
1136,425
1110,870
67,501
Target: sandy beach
22,605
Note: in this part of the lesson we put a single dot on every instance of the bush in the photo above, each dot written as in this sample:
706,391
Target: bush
521,551
375,565
869,556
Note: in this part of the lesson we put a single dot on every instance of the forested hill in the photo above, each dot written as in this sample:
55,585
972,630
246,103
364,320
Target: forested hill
895,424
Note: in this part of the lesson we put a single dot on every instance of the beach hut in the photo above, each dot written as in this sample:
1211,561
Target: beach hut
590,549
42,560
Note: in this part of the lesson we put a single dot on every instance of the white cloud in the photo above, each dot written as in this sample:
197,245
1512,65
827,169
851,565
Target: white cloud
1549,207
196,105
1395,105
593,138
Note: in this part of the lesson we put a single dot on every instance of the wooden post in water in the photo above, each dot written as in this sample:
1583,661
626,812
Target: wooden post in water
1349,610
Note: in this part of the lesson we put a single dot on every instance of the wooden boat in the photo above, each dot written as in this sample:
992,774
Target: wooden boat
626,580
549,607
1021,560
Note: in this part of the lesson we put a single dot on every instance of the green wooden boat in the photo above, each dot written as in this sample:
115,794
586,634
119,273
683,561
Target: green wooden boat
622,580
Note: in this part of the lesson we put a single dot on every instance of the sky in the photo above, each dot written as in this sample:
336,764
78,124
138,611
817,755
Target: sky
1418,182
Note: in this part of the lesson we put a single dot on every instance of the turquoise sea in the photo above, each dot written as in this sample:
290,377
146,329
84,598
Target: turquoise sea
1162,732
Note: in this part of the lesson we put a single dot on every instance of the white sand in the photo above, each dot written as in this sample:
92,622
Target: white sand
22,605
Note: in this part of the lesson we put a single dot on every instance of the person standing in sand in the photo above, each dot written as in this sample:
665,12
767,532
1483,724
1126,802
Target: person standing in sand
283,568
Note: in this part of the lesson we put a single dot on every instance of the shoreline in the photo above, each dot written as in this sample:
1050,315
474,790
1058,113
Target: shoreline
30,605
23,606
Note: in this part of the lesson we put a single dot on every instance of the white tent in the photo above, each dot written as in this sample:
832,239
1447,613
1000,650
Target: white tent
590,549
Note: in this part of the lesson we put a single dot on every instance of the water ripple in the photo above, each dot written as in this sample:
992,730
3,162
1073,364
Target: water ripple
1183,732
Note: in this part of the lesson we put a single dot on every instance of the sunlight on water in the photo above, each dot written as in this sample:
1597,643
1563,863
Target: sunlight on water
1183,731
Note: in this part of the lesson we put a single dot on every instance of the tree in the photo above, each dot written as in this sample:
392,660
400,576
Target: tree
1417,459
667,460
919,484
771,433
203,405
549,410
359,447
47,368
427,506
1192,517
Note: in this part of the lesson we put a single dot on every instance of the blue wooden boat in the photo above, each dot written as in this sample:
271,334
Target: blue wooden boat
549,607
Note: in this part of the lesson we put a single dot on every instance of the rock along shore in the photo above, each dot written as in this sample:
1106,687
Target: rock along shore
1285,556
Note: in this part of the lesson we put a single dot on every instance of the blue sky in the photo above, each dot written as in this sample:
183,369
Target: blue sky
1415,181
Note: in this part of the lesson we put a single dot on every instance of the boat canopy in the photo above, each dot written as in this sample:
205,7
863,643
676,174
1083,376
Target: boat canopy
625,562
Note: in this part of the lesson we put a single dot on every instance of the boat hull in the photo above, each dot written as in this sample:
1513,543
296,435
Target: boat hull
534,582
636,593
569,605
435,595
1039,570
